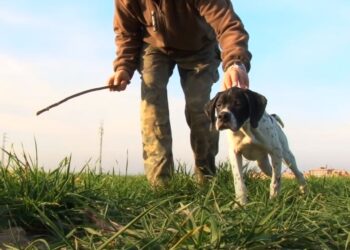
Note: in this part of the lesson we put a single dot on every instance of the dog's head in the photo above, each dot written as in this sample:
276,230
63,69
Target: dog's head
233,107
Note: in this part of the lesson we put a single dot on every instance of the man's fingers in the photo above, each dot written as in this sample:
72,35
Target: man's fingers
232,79
111,84
235,78
120,85
243,80
227,82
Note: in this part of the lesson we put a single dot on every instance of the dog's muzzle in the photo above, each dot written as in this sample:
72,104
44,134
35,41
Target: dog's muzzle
226,120
224,116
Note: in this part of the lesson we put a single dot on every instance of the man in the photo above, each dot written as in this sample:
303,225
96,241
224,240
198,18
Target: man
152,36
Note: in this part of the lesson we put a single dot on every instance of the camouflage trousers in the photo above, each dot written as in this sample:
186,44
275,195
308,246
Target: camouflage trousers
197,73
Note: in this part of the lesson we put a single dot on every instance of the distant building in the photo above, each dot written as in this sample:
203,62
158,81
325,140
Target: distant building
325,171
320,172
317,172
338,172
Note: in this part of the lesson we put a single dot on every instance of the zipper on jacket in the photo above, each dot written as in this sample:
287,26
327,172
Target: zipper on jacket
158,20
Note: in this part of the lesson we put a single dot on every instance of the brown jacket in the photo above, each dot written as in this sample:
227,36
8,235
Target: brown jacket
179,27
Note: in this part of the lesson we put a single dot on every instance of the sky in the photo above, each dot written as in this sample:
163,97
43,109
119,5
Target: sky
52,49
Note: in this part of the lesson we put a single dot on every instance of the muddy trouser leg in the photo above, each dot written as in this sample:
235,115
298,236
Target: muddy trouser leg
198,73
155,70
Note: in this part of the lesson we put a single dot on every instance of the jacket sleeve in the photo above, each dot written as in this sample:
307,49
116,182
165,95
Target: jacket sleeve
229,29
128,38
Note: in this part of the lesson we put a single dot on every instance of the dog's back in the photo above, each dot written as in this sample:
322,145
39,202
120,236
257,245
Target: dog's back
278,119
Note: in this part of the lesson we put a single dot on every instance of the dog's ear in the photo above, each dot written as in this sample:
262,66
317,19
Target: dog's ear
209,110
257,105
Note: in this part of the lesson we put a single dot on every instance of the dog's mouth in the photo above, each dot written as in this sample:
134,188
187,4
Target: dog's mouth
221,125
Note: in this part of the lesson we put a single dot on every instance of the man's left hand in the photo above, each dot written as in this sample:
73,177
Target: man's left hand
236,76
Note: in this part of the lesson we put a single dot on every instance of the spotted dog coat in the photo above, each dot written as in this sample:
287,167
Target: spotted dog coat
254,135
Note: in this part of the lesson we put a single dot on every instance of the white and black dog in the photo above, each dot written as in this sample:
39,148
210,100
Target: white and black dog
253,134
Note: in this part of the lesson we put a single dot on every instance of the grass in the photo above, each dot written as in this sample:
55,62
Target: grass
92,210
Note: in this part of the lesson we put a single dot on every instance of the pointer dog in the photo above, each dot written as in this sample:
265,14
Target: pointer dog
253,134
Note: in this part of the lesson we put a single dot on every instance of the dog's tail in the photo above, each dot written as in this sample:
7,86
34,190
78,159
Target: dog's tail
278,119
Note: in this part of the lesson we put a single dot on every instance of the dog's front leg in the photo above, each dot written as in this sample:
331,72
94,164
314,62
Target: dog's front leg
236,161
275,184
240,188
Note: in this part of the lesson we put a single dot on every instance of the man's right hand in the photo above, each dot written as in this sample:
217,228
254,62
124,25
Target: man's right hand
236,76
119,80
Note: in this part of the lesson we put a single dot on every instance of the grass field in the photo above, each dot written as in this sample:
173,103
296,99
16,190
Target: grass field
59,209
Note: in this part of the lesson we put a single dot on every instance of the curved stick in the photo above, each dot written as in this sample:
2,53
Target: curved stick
70,97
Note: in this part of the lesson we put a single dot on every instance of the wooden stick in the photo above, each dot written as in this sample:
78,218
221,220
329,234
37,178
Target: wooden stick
70,97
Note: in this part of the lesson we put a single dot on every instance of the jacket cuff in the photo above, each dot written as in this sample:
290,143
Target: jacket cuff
127,69
238,60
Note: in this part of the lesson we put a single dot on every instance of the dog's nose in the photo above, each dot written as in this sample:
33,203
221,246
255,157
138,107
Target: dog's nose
224,116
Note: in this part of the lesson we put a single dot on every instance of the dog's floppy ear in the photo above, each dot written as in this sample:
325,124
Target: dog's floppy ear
209,110
257,105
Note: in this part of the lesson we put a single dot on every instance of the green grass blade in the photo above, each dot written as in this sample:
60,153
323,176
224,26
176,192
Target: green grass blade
187,235
131,223
52,225
347,243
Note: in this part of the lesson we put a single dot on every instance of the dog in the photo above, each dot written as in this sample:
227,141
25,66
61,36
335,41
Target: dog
254,135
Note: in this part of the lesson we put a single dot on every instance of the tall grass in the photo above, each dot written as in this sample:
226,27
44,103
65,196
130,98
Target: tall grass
92,210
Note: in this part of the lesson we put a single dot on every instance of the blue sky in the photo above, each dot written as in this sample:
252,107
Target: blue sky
51,49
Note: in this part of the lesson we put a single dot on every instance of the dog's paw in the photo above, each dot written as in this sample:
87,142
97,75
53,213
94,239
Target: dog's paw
303,189
240,203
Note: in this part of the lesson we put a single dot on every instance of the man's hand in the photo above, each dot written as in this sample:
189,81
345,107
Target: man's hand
119,80
236,76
